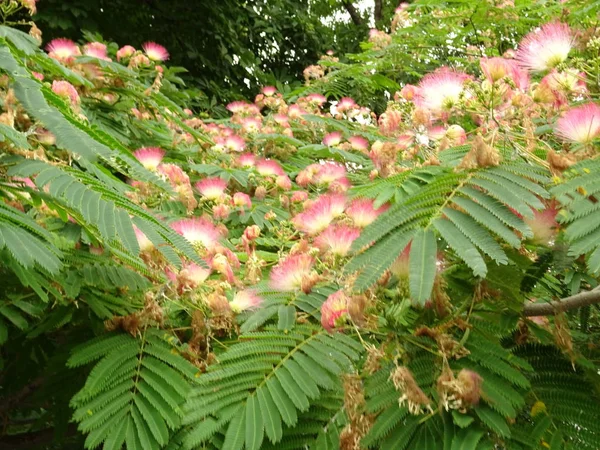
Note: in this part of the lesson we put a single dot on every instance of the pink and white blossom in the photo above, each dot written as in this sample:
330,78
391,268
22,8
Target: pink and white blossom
62,49
546,47
293,273
149,157
336,239
155,52
211,188
363,212
580,125
199,231
245,300
333,310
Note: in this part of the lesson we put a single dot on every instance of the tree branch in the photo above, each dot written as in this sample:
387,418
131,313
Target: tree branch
565,304
378,14
353,12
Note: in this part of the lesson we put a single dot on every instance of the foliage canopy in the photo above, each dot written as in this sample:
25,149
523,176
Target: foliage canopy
358,263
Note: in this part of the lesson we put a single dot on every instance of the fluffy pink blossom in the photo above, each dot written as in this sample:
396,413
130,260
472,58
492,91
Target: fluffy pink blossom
545,48
174,174
190,276
439,91
155,52
143,241
96,49
330,174
580,124
242,200
245,300
212,187
246,160
543,224
293,273
333,310
62,49
149,157
400,267
299,196
317,99
125,52
269,91
409,92
345,104
66,90
362,211
37,75
251,124
320,213
235,143
359,143
221,211
336,239
496,68
456,135
199,231
332,139
269,167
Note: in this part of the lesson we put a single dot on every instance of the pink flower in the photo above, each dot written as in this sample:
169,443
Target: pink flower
332,139
580,124
543,224
144,243
199,231
293,273
212,187
62,49
456,135
358,143
329,174
345,104
296,111
246,160
242,200
190,276
237,106
97,50
174,174
333,310
283,182
299,196
545,48
409,92
251,124
320,214
337,239
495,69
125,52
150,157
37,75
155,52
400,267
269,91
66,90
363,212
235,143
269,167
245,300
440,91
317,99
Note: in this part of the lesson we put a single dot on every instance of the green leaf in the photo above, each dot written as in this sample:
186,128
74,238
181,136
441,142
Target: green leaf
422,265
462,420
287,317
234,437
467,439
254,424
271,417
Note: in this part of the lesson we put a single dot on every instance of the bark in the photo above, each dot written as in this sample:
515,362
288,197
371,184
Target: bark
378,11
565,304
354,15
